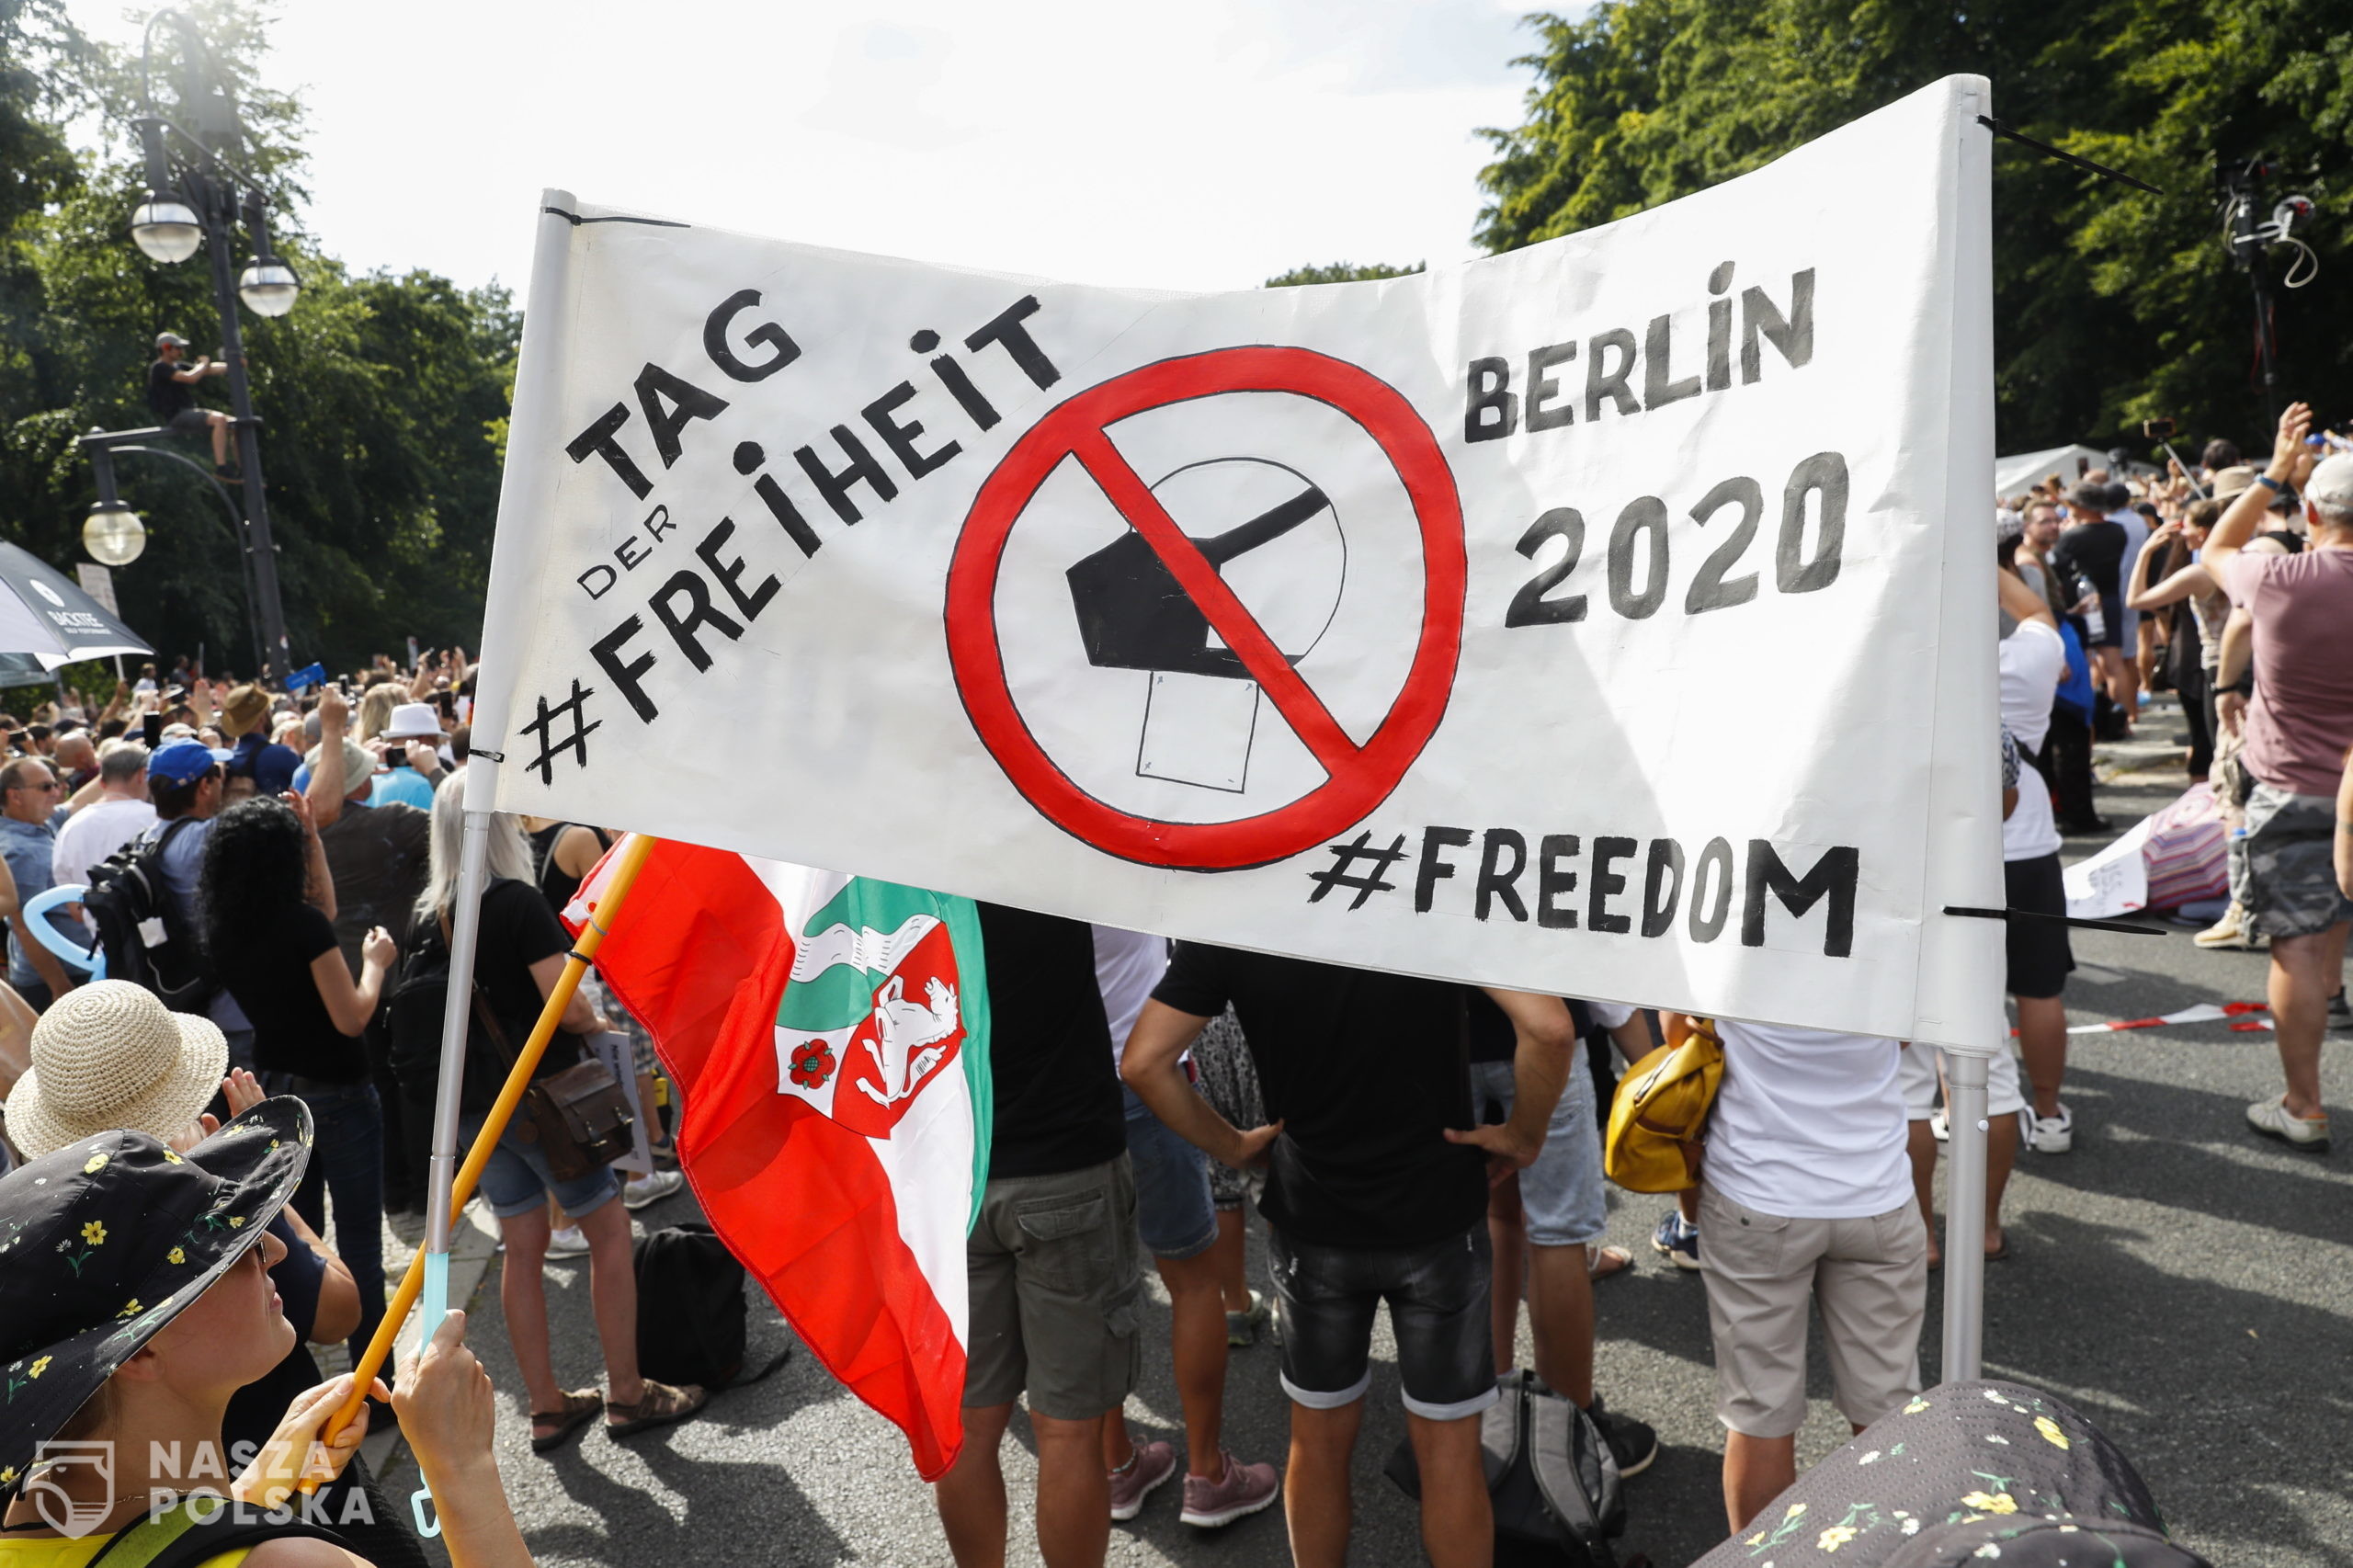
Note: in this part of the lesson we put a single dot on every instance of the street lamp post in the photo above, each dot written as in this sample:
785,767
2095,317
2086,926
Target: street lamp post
194,201
114,535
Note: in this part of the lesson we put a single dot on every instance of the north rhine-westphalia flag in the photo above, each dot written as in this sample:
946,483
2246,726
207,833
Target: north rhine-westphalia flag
829,1035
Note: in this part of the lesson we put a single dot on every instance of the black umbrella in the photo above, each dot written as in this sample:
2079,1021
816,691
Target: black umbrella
45,613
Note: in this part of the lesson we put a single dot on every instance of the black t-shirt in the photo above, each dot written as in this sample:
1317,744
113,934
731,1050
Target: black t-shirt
2095,551
1366,1072
166,393
518,930
1056,1091
1491,1036
378,857
269,974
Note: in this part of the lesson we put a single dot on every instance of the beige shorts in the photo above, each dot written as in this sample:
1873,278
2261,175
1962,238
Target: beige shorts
1054,1268
1870,1277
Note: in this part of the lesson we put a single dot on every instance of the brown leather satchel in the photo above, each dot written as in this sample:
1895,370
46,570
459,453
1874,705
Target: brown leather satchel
578,1117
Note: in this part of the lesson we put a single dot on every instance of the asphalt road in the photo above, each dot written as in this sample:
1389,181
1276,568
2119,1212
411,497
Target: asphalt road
2187,1286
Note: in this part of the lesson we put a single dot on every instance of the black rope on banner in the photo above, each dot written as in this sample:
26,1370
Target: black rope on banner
2128,929
2048,151
575,220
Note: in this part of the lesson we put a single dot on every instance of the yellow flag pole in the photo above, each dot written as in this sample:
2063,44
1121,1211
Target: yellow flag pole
626,866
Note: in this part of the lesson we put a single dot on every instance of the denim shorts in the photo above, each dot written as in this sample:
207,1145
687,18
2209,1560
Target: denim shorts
1438,1308
1561,1193
516,1180
1175,1210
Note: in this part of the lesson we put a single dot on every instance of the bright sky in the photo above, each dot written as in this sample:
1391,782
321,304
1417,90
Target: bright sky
1205,145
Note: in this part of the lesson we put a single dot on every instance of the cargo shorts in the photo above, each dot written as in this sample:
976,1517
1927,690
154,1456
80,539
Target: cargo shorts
1054,1274
2290,847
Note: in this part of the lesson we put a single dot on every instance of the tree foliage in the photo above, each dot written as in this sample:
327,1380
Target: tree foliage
1340,272
2112,305
380,395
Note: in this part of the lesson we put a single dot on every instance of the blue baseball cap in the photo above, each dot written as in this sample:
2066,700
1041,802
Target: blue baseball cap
185,762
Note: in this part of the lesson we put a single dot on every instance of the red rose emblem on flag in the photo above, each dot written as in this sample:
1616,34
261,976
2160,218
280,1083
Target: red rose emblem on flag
813,1063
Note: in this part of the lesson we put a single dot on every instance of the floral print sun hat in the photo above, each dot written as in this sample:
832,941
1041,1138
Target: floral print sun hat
104,1240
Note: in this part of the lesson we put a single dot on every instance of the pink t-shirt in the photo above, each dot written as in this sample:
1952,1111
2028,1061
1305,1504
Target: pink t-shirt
2301,724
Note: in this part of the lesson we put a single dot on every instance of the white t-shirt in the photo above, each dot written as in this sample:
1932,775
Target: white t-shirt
1607,1014
2033,661
1127,964
95,831
1808,1124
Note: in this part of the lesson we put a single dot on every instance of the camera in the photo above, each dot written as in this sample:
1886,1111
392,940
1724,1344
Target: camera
2158,429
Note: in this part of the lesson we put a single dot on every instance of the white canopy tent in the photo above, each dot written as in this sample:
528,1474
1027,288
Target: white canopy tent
2014,475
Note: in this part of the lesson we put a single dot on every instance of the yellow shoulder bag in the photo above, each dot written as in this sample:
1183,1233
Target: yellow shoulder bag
1660,1112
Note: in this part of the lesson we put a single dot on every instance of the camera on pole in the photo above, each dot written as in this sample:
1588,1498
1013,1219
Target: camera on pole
2248,234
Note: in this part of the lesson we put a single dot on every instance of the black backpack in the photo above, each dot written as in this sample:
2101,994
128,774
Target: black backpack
144,934
690,1311
1550,1473
413,1013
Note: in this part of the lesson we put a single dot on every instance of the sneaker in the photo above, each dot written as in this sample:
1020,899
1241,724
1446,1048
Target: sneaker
2340,1015
566,1241
1243,1488
1940,1126
639,1191
2231,930
1241,1329
1631,1443
2053,1134
1676,1239
2306,1134
1151,1464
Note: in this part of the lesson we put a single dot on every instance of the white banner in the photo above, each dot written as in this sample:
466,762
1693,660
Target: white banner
1612,618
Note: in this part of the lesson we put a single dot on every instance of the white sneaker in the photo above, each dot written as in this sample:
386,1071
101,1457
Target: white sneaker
1939,1127
2053,1134
639,1191
566,1241
2306,1134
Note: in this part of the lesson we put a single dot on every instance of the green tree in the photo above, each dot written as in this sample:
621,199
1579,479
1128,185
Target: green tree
1340,272
381,394
2112,305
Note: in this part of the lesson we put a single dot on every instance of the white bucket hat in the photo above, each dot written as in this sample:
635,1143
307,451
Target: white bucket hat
414,721
110,1056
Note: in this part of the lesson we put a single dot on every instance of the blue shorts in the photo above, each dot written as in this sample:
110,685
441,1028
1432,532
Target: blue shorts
515,1180
1561,1193
1175,1211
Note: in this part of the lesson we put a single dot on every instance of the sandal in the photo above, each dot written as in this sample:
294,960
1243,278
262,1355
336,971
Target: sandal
658,1406
1603,1262
579,1405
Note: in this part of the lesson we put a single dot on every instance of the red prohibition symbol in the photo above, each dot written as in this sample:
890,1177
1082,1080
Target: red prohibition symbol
1357,777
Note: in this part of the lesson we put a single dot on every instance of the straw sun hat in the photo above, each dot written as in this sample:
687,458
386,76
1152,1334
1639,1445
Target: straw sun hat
111,1055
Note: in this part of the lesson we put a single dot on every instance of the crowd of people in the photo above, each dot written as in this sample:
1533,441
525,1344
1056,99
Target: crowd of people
2232,585
1431,1146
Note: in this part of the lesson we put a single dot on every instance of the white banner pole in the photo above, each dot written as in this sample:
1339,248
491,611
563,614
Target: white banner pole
1965,1076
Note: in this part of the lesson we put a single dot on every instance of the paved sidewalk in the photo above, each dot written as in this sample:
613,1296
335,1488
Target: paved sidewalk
2187,1286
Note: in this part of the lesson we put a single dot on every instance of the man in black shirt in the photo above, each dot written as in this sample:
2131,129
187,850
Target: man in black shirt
1376,1190
1052,1264
174,406
2092,552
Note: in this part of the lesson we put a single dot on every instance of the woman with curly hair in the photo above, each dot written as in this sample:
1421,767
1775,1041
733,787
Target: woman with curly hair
265,915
